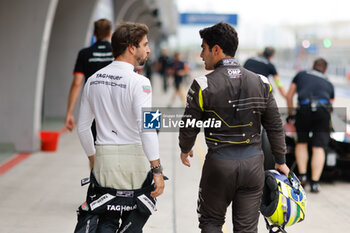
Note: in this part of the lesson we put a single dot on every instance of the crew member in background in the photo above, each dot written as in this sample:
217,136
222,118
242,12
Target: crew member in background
262,65
312,120
162,67
89,61
179,69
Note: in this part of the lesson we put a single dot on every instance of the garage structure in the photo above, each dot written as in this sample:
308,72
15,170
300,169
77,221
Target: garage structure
40,40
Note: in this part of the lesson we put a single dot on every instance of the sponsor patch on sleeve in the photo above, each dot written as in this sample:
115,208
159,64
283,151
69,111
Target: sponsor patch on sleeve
146,89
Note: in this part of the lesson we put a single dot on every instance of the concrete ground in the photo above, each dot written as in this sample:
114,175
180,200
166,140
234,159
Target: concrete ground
41,193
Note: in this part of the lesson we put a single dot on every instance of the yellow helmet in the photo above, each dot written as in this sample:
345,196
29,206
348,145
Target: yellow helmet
284,201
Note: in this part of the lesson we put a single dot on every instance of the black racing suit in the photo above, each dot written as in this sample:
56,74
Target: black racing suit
262,65
233,169
106,207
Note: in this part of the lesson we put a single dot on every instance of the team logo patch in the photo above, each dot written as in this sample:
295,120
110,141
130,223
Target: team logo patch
85,206
148,203
152,119
101,201
146,89
234,73
229,62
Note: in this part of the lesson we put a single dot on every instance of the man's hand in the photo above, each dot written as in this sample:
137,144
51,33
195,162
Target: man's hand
282,168
184,158
70,123
159,185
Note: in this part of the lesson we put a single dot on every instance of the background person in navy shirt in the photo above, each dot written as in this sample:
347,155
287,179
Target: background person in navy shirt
315,96
262,65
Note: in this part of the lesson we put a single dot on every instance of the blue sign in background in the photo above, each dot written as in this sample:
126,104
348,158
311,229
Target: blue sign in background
201,18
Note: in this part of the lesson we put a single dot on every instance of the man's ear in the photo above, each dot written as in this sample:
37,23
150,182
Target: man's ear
132,49
217,49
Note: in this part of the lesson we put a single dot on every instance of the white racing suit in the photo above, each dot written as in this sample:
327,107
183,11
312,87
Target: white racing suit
106,207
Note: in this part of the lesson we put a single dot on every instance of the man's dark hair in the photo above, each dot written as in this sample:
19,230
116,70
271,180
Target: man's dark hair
127,34
320,64
102,28
222,34
268,52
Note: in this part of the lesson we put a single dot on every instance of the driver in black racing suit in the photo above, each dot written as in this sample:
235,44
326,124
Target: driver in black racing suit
241,101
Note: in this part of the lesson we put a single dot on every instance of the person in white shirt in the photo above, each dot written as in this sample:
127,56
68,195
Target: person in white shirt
114,96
